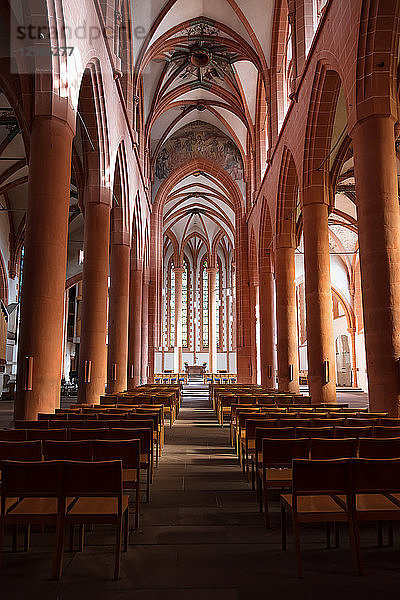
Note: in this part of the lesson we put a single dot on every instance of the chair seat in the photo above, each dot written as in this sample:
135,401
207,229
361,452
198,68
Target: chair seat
84,508
314,504
277,477
366,503
251,444
36,507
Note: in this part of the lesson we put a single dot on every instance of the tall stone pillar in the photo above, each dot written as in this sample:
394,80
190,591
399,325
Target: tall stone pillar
286,315
212,319
135,324
267,354
93,348
43,284
117,370
145,326
178,365
379,240
319,316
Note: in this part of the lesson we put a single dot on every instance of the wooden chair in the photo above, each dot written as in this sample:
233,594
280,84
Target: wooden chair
29,495
249,441
31,424
69,450
325,449
361,422
375,493
328,422
353,432
276,470
146,449
46,434
294,422
25,451
379,448
315,432
128,451
314,499
12,435
102,424
381,431
389,422
98,487
89,434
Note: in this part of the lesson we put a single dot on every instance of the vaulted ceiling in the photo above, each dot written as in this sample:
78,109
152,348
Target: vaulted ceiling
202,70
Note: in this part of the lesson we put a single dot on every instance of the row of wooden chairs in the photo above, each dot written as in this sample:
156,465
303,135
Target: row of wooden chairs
95,419
341,491
273,463
65,493
82,435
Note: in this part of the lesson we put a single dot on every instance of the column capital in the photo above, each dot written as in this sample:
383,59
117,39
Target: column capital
179,270
212,270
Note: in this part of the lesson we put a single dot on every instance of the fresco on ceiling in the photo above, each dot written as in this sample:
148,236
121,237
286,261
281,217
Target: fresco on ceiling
199,140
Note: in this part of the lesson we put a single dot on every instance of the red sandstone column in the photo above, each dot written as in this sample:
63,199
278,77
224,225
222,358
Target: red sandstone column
379,239
253,293
267,354
93,348
319,317
212,319
117,370
43,286
178,319
286,316
135,324
145,325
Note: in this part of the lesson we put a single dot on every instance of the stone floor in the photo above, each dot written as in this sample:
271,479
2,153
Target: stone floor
202,537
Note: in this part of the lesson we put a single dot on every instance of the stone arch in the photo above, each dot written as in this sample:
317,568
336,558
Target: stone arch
288,189
320,120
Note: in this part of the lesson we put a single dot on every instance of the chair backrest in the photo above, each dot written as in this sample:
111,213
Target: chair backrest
315,432
112,416
375,475
389,422
320,477
385,432
92,478
30,479
89,434
281,452
323,449
361,422
46,434
133,423
357,432
273,433
31,424
294,422
128,451
25,451
67,450
102,424
252,424
379,447
12,435
143,434
328,422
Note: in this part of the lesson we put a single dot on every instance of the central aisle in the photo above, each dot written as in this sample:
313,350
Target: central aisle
202,530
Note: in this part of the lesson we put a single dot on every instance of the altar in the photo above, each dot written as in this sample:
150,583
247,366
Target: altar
195,369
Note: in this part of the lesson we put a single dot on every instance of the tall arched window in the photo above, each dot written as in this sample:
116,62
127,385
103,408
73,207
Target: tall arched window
185,305
172,308
218,303
205,304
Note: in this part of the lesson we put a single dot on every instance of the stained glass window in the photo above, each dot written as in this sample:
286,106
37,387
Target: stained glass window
172,308
217,308
205,304
185,306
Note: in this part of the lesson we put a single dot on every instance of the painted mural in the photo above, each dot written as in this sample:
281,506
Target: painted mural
199,140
